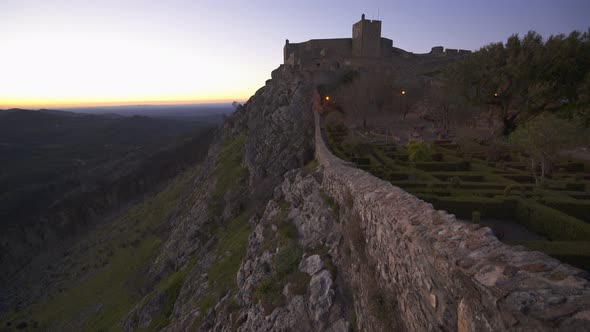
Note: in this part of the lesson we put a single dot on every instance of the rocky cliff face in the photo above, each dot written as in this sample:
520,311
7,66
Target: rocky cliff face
250,247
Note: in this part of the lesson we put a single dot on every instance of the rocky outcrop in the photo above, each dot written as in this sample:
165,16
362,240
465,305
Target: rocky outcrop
275,132
320,305
279,126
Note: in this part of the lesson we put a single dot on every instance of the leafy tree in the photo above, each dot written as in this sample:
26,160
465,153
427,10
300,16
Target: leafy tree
527,75
443,106
356,145
419,151
542,138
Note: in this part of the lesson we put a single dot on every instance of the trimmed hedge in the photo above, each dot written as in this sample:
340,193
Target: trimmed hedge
435,166
463,176
397,176
398,156
538,218
419,184
575,186
571,167
483,186
578,195
549,222
573,207
520,178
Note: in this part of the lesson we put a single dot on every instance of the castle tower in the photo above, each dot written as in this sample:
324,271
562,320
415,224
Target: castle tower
366,38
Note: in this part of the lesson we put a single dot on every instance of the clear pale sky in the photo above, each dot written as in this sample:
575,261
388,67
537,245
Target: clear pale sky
56,53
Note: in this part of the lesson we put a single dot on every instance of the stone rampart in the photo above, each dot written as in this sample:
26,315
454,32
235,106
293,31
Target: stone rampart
448,275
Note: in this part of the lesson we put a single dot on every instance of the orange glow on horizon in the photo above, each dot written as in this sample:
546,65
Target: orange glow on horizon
96,103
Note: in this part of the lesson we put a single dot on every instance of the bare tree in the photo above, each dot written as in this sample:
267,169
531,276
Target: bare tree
367,94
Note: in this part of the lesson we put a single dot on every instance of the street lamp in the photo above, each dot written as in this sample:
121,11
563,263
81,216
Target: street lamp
327,98
401,104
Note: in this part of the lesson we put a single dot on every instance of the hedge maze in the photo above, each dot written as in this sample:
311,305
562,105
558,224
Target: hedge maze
485,184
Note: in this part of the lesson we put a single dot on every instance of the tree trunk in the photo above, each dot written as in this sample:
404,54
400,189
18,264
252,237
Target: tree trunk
509,124
533,168
544,167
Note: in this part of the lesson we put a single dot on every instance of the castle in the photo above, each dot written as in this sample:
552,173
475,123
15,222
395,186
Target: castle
366,48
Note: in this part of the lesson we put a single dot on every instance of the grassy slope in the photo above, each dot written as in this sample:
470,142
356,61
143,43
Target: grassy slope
232,238
125,247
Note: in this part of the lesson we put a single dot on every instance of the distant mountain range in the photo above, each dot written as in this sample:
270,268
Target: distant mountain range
209,113
166,111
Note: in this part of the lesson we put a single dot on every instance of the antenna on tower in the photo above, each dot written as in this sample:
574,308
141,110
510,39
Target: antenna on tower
377,13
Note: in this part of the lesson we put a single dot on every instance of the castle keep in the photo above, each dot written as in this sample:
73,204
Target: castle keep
365,48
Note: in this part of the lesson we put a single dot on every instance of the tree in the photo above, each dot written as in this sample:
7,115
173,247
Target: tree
542,138
526,76
366,93
442,105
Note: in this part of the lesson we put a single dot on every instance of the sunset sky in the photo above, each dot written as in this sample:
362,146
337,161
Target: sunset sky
57,53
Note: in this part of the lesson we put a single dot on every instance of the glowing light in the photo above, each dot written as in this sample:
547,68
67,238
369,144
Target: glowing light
403,92
78,60
495,95
327,98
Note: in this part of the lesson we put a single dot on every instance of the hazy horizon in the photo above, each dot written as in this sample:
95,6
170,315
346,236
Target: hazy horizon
58,54
171,103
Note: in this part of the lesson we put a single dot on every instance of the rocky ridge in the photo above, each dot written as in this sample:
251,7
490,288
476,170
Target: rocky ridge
270,135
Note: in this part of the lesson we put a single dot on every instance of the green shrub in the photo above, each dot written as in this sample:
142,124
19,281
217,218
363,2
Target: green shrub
455,182
573,207
475,217
573,166
269,294
434,166
351,317
419,151
356,145
520,178
463,176
311,166
575,186
287,260
407,185
334,207
549,222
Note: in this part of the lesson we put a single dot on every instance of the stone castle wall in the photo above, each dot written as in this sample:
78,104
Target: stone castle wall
366,43
312,51
448,275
